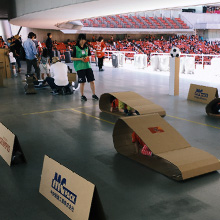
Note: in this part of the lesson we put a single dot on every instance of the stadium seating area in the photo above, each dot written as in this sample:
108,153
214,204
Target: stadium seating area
130,21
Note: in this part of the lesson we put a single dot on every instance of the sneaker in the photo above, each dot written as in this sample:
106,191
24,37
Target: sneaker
95,97
101,69
137,113
83,98
54,92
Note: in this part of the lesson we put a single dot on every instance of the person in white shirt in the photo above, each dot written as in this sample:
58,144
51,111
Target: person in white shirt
12,62
58,75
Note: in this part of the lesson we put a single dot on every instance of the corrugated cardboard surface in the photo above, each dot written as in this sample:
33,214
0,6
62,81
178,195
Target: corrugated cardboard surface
203,94
1,74
80,187
167,144
174,76
134,100
6,143
6,64
71,77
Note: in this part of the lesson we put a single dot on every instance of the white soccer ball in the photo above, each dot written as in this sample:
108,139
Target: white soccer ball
175,52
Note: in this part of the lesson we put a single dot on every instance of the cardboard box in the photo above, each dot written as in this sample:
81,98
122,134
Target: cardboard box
6,64
69,192
1,74
203,94
134,100
10,148
172,154
213,108
72,77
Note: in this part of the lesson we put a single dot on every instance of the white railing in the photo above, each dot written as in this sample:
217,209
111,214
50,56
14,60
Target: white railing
200,61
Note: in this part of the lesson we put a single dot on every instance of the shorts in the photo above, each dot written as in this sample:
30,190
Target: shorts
13,64
44,68
86,74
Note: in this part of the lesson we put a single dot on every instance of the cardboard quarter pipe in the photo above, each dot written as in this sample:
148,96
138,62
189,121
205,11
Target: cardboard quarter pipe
172,154
134,100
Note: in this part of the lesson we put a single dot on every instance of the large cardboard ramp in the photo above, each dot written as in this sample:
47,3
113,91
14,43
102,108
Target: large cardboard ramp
134,100
172,154
203,94
73,195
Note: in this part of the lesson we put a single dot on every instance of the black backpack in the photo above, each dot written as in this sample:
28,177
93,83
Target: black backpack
22,54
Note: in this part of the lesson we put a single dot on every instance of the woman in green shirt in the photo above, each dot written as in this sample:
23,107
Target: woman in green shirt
81,54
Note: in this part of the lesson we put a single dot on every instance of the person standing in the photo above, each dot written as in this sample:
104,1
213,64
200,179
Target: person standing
81,54
31,55
100,47
17,49
49,45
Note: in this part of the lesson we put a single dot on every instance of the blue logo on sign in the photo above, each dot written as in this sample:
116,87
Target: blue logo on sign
59,184
199,94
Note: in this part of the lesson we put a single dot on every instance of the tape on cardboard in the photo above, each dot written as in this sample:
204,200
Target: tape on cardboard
10,148
172,154
69,192
203,94
134,100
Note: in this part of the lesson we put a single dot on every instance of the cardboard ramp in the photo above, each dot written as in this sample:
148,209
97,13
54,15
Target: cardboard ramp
212,109
172,154
134,100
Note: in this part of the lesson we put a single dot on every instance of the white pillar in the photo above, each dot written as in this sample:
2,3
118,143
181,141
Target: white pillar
174,76
5,29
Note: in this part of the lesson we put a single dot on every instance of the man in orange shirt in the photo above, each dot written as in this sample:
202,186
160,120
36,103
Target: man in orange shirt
100,47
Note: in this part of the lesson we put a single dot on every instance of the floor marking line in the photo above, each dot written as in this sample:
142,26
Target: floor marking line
57,110
92,116
183,119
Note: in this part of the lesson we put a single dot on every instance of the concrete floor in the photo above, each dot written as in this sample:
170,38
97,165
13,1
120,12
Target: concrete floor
128,190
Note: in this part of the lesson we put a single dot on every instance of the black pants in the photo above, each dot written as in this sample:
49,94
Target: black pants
33,63
51,83
18,61
100,62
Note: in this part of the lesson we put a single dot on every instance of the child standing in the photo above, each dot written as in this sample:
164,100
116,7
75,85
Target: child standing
45,64
12,62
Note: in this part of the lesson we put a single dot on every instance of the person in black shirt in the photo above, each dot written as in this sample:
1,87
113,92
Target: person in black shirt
49,45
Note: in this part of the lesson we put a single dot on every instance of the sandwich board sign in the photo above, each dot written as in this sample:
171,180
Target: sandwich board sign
172,156
10,148
203,94
69,192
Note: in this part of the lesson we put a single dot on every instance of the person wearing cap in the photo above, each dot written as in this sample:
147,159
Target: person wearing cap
81,54
58,75
31,55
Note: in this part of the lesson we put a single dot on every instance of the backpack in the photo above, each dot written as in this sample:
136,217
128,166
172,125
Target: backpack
22,54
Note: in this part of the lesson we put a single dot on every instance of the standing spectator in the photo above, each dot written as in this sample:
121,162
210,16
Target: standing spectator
12,61
17,49
81,55
31,55
49,45
100,47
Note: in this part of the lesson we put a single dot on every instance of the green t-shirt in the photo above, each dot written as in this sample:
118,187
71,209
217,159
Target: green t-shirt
80,65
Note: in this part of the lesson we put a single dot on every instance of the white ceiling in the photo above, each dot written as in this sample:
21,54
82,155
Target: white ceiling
48,19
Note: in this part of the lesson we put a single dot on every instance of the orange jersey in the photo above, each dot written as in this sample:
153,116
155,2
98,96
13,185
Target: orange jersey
99,49
136,138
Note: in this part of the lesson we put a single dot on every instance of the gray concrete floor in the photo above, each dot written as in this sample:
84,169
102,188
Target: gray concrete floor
128,190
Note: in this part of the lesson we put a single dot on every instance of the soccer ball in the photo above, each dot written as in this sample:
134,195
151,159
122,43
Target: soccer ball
175,52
